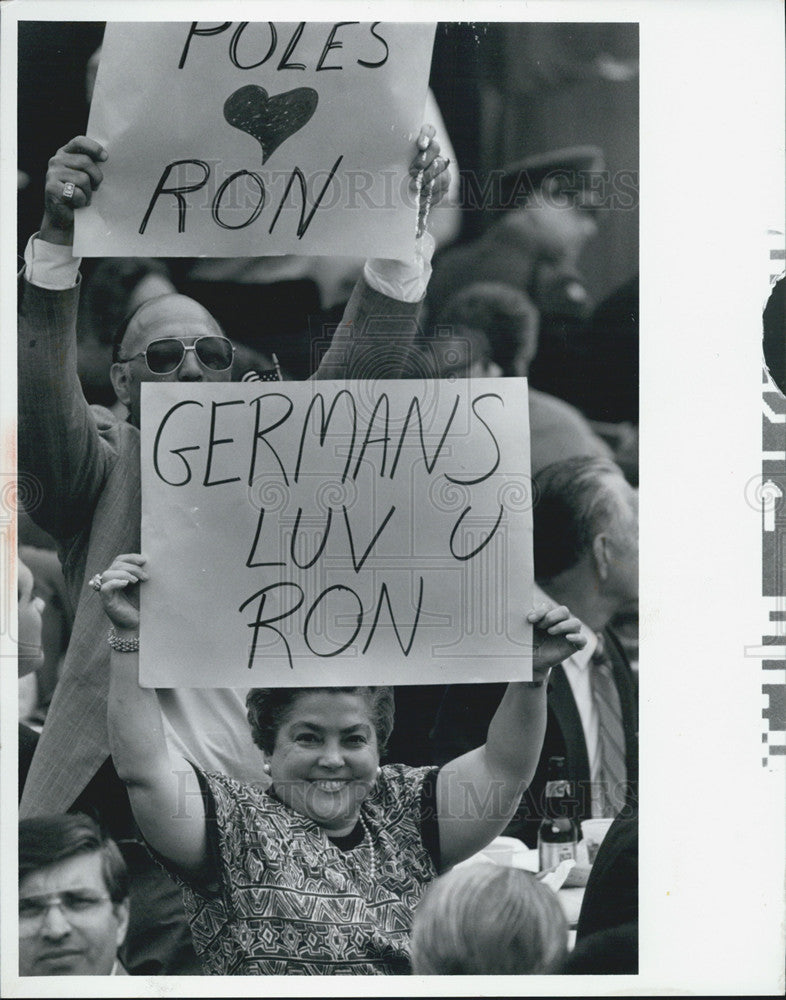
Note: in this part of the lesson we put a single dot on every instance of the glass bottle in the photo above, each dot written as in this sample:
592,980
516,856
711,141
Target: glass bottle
558,833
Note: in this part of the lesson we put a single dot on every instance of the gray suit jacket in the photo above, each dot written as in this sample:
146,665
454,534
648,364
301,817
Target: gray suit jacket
80,480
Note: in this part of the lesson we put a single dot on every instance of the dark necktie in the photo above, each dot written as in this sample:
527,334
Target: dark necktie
611,735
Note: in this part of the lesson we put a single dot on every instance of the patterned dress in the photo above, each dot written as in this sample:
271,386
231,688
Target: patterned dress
290,902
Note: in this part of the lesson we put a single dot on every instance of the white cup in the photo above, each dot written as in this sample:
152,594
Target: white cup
502,851
593,831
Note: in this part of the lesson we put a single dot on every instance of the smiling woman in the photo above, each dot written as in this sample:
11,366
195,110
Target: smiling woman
322,747
341,847
321,872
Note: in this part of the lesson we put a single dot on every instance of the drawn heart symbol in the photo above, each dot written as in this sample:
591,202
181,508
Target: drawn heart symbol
270,120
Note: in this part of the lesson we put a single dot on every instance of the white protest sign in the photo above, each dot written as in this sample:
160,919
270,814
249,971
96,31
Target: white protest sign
339,533
256,138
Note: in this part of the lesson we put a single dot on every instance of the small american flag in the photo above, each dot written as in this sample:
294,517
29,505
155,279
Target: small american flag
268,375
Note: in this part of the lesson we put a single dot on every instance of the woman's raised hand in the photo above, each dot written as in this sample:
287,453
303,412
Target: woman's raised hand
556,635
118,589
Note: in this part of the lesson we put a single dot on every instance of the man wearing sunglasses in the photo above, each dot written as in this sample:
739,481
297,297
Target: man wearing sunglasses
84,464
170,338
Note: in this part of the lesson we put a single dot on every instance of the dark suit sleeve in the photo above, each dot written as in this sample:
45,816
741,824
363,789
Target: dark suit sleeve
59,446
373,339
612,894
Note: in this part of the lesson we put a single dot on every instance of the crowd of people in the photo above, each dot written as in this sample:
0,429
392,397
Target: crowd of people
327,828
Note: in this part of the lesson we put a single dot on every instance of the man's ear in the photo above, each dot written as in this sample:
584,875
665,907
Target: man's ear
119,374
121,911
601,555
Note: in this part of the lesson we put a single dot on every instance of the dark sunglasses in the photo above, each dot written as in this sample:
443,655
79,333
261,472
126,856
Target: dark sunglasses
163,357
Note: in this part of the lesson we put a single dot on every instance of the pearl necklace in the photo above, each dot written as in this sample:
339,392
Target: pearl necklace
367,835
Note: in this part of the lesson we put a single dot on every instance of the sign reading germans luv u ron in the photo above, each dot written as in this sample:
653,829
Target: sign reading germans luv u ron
256,138
335,533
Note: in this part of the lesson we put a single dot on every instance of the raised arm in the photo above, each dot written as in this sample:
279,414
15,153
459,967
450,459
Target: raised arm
477,793
59,444
379,323
162,788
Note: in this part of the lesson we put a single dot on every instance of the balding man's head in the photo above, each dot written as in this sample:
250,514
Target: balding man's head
155,343
586,513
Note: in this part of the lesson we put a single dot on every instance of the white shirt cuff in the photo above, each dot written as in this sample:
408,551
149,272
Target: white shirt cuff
402,280
50,265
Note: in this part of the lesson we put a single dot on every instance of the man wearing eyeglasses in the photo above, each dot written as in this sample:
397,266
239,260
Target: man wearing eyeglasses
83,464
73,898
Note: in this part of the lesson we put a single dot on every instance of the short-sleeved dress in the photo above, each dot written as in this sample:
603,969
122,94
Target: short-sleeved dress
291,902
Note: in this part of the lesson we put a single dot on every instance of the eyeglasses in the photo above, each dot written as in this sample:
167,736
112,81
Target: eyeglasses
33,909
165,356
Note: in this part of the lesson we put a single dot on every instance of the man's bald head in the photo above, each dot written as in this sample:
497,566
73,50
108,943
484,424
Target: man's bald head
174,314
165,317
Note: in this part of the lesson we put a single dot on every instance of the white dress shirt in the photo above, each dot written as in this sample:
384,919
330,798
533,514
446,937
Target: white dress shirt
50,265
53,266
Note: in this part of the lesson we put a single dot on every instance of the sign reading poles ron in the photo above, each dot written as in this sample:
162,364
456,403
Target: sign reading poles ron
335,533
256,138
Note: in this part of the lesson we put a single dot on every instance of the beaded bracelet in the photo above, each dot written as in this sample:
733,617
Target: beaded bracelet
120,644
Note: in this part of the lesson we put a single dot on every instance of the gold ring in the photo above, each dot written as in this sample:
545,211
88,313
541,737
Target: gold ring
95,582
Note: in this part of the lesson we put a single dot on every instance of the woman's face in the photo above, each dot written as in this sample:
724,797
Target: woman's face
325,758
30,653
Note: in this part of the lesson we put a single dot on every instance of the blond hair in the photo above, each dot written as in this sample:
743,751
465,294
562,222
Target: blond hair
484,919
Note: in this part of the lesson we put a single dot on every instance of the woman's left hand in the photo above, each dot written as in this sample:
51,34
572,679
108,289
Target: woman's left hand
556,635
116,584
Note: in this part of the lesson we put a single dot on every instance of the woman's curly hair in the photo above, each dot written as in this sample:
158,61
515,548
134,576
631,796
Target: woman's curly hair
269,708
